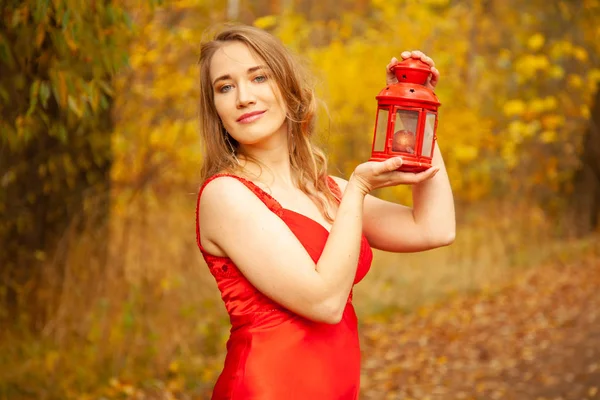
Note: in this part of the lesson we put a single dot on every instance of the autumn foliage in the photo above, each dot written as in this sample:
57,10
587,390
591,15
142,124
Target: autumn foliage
102,287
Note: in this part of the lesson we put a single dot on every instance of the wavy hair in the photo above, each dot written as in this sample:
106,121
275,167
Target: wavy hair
308,162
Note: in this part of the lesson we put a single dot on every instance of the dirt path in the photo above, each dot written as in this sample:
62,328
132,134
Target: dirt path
538,338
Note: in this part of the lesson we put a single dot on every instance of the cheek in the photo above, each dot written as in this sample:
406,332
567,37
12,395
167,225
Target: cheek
222,111
219,106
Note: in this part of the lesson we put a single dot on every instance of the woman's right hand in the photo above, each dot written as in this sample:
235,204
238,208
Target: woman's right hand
373,175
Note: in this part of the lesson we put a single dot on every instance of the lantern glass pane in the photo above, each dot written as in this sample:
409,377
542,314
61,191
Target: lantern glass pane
428,135
405,131
381,130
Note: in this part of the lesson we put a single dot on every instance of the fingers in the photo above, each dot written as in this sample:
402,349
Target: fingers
390,78
432,81
388,165
412,178
434,78
393,62
419,55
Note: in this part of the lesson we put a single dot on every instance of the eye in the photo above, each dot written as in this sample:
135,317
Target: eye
260,78
225,88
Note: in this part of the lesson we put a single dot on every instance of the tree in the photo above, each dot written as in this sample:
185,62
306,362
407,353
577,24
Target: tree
57,60
585,197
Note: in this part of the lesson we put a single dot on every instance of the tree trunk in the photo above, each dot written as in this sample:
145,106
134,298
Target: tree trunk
585,199
35,220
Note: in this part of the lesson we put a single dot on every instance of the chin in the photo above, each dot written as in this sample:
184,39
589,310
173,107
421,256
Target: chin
256,134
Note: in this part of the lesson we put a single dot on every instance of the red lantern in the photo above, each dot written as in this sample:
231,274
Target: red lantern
406,118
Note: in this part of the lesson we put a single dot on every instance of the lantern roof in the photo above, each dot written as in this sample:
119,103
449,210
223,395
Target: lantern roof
412,75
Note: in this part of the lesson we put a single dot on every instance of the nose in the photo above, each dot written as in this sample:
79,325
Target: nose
245,96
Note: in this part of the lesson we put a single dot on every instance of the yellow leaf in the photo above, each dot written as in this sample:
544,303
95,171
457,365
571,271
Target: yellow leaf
553,121
594,75
174,366
165,285
128,389
50,360
575,81
585,111
580,54
62,88
439,3
550,103
537,106
266,22
548,136
557,72
542,62
514,107
532,128
536,41
41,34
70,42
466,153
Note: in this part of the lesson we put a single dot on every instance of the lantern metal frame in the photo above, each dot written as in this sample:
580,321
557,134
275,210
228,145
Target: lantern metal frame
409,95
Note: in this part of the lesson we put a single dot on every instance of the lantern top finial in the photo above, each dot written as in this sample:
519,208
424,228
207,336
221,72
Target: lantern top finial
412,71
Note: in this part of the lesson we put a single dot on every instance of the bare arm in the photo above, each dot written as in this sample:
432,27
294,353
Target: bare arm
271,257
430,223
237,224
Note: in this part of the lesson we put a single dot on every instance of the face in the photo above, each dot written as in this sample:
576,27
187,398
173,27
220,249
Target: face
246,97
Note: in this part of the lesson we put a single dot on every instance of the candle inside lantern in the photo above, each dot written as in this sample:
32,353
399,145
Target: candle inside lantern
404,141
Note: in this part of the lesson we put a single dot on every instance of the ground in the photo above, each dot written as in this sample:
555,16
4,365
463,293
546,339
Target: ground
536,338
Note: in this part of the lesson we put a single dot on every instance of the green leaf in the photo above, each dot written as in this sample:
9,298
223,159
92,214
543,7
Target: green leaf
65,19
62,133
4,94
105,87
44,93
5,53
41,10
33,96
73,106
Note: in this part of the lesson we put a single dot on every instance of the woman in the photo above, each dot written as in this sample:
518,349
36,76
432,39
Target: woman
284,241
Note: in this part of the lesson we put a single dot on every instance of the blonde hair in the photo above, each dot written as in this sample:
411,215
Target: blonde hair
308,162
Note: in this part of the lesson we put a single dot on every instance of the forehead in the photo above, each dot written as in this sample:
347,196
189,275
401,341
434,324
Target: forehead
231,58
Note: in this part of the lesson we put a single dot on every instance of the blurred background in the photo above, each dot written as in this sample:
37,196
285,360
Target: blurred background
103,292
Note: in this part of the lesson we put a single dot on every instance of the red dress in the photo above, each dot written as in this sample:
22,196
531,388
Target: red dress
273,353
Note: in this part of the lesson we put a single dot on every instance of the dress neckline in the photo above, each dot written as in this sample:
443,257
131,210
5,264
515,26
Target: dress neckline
273,199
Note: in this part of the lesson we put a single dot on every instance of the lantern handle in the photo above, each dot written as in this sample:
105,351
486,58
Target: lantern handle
411,71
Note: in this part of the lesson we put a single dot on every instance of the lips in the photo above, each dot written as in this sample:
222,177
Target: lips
250,117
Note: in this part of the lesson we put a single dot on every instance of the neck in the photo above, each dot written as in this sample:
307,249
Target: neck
268,162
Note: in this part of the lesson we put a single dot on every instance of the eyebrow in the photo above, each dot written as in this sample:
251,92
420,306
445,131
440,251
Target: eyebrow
250,70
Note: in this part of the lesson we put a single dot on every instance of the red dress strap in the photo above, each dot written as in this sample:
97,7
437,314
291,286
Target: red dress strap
266,198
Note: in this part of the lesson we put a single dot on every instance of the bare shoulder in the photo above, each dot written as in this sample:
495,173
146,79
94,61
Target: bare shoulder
225,202
223,190
227,198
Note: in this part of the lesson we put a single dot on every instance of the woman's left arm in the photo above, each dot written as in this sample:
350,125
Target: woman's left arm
429,224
